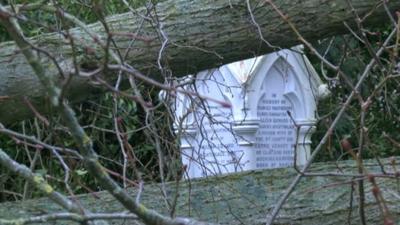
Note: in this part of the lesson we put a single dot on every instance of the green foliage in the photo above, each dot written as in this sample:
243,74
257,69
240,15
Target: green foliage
382,115
96,115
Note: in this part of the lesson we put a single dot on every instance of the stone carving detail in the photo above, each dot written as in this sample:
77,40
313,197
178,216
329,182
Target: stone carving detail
269,125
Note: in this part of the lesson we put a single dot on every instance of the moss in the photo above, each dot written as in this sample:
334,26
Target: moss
42,184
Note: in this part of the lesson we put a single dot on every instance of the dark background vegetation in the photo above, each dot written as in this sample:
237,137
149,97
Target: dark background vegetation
96,114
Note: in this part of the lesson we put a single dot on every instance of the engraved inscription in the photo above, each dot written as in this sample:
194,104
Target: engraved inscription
218,151
275,137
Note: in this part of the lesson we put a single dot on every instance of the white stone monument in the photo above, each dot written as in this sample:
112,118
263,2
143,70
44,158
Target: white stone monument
269,124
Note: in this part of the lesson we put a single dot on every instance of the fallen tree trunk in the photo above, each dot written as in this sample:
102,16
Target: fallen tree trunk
246,198
200,35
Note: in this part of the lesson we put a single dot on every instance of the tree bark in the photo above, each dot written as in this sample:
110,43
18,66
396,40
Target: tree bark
200,35
245,198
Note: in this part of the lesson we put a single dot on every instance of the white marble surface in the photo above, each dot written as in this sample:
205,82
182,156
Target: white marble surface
273,102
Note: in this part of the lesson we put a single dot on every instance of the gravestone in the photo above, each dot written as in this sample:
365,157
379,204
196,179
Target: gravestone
253,114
